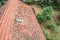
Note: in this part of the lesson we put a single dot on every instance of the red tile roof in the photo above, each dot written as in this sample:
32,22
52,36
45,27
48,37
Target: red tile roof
10,29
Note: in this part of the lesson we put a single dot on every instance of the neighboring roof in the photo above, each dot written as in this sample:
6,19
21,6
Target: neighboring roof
37,0
12,29
29,0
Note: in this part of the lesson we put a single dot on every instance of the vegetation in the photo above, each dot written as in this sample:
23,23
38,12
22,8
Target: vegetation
48,2
44,15
52,26
53,3
47,36
46,20
2,2
58,17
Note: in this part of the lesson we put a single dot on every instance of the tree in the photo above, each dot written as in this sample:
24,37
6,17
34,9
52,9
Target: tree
45,3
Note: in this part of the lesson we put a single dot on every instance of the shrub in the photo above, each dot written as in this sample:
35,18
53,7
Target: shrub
47,10
44,15
41,18
51,26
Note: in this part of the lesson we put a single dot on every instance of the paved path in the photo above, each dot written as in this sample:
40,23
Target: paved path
10,29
